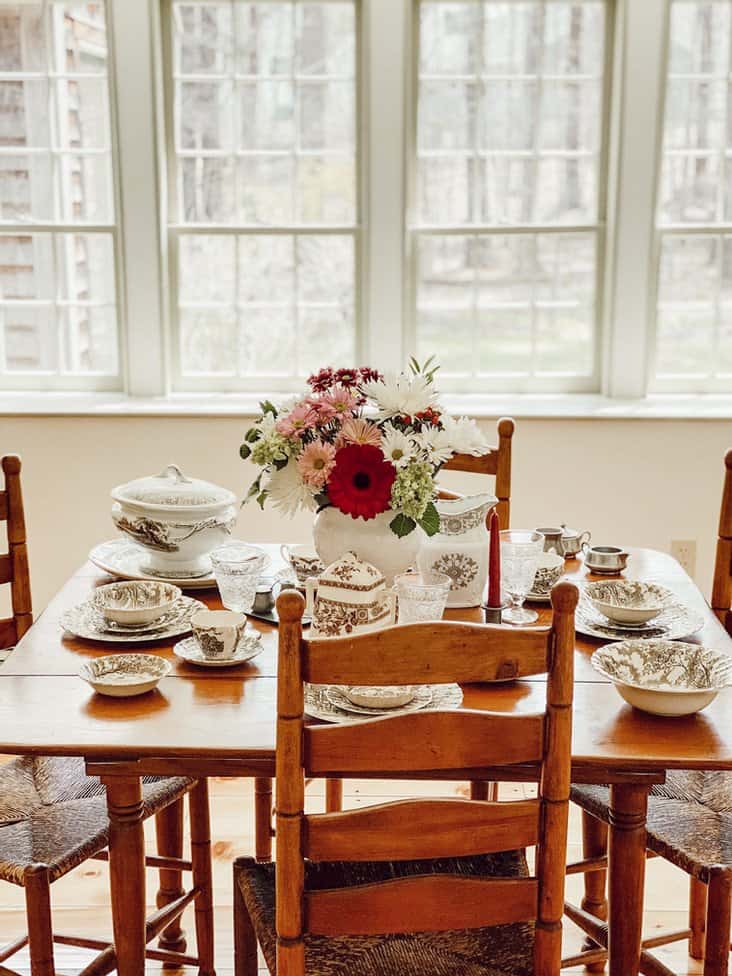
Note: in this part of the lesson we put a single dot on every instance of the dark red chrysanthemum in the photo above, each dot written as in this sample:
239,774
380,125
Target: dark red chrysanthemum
322,380
360,483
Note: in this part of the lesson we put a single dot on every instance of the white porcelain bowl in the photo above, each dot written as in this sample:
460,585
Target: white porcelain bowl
135,602
125,675
628,601
383,696
664,677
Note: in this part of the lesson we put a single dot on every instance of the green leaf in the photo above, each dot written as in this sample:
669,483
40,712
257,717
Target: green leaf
430,521
280,463
244,451
254,489
322,500
266,406
252,435
402,525
262,498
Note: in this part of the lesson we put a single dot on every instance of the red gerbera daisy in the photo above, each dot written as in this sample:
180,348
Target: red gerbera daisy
360,483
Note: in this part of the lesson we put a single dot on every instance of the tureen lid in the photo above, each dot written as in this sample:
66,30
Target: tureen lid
172,489
352,573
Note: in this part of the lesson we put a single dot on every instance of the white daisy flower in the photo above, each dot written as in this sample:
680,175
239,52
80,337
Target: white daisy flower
401,393
435,443
288,491
397,447
465,436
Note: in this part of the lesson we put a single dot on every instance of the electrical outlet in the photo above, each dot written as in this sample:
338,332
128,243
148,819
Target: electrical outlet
684,551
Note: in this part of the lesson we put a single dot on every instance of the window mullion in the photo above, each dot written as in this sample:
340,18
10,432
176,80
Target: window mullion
642,30
387,39
135,82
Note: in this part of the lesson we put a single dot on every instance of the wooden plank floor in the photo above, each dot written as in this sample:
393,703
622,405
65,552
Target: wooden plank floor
80,899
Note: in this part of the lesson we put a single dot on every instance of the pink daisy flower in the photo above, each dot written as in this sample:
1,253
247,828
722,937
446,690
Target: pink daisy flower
316,463
356,430
342,400
301,419
324,410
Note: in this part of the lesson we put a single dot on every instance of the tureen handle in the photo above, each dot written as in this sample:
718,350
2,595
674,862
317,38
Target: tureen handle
174,473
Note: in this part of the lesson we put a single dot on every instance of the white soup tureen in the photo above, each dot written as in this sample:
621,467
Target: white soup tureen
176,519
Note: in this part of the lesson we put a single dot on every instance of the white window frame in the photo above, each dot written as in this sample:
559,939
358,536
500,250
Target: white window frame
387,103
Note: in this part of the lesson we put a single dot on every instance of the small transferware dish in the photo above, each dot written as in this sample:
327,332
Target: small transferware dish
548,573
628,602
125,675
664,677
376,696
135,602
190,651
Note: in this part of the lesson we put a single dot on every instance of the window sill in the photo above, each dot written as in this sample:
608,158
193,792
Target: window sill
540,407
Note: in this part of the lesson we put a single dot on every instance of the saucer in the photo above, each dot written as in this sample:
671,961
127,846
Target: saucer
190,651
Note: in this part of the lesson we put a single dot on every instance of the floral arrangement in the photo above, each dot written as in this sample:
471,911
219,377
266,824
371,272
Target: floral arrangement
363,442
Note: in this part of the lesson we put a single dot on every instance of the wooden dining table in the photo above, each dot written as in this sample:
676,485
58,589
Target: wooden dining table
202,722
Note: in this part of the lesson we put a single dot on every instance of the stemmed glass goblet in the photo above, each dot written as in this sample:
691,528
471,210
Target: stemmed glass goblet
520,551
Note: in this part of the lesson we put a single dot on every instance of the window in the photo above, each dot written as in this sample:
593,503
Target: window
220,196
508,203
263,178
58,319
694,210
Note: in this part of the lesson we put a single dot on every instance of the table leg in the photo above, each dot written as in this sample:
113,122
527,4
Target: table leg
626,873
127,871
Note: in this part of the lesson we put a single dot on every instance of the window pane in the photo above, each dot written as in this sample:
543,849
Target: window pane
265,123
256,306
510,121
57,304
510,305
57,288
271,138
693,340
532,89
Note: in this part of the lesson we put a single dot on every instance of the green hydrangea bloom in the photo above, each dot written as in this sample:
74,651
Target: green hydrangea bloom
413,489
270,448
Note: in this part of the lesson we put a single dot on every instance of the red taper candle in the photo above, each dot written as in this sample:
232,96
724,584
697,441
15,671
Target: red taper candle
494,562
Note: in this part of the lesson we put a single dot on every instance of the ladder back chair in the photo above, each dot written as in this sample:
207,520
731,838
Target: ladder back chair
353,887
496,462
14,564
53,817
722,585
688,823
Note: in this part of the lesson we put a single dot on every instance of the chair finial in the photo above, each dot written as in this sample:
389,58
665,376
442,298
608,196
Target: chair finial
290,605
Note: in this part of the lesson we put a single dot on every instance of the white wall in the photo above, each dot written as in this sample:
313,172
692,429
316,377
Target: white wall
632,482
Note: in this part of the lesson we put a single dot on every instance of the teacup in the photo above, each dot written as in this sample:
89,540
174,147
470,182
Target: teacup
548,572
218,632
304,561
605,559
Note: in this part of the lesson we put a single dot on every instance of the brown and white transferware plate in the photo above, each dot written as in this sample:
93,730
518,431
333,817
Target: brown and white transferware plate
674,623
85,621
319,705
